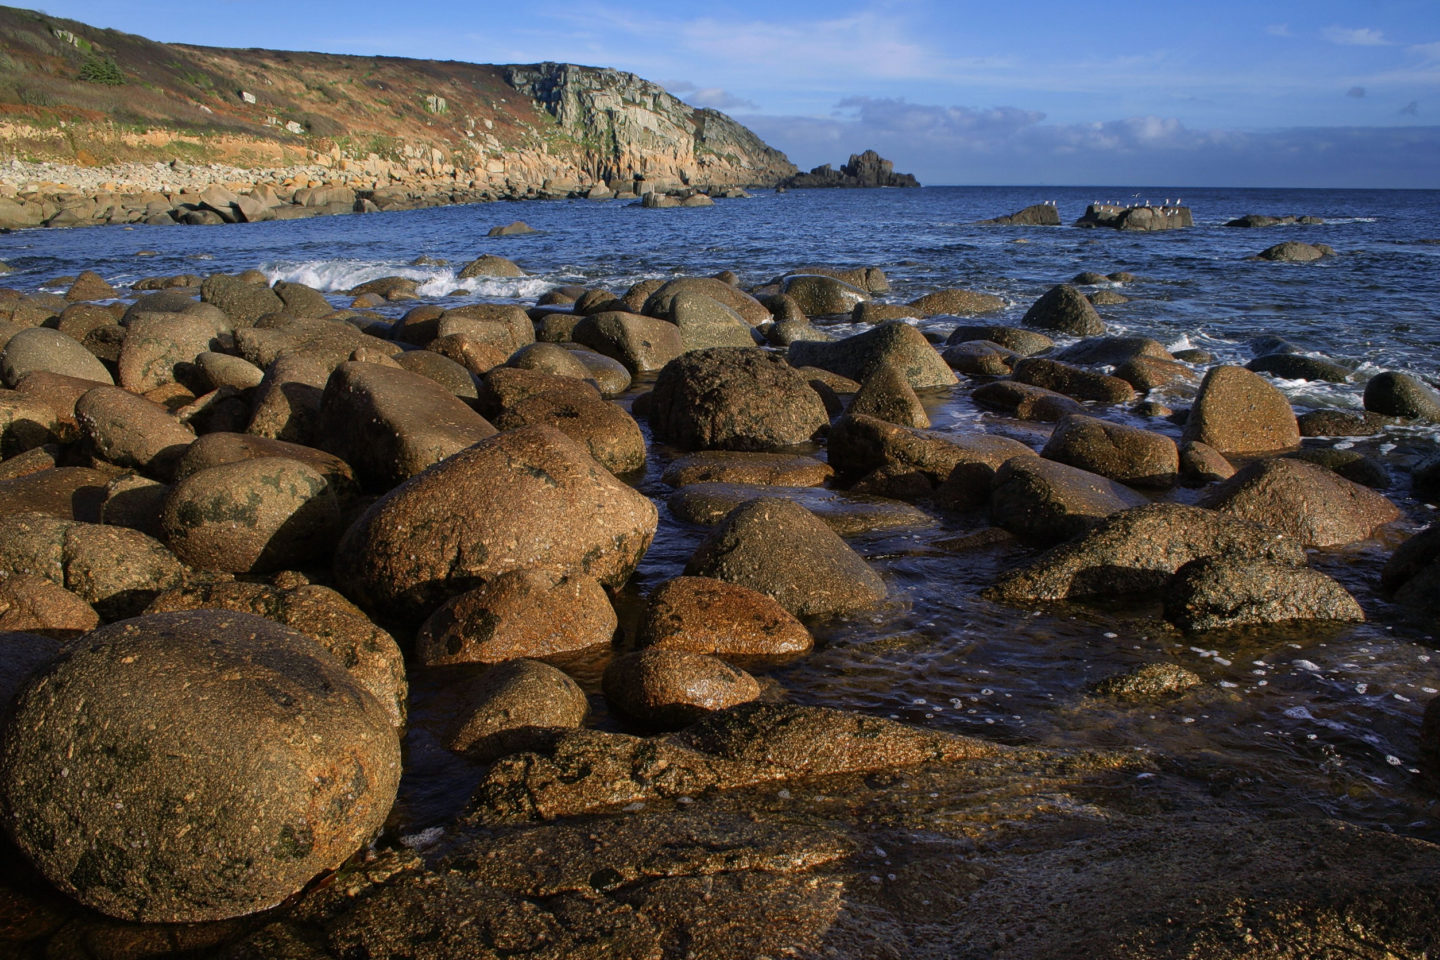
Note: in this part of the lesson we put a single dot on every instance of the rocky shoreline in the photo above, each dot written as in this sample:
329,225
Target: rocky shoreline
267,517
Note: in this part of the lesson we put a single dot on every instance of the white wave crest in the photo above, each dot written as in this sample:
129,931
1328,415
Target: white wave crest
334,276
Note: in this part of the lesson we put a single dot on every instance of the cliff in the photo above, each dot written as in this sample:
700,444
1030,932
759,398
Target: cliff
867,169
391,129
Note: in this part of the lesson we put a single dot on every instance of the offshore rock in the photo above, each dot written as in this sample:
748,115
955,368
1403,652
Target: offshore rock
225,712
1035,215
866,169
1141,219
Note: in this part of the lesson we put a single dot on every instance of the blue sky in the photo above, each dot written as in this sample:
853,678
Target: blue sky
1224,93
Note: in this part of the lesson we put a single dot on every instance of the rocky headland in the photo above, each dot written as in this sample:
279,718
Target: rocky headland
252,534
98,126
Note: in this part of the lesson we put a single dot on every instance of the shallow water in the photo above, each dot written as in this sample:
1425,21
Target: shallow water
1297,718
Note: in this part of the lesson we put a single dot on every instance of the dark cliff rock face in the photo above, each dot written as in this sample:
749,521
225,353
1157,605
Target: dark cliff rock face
867,169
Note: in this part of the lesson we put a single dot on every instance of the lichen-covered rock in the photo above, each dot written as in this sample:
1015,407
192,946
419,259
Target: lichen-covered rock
661,303
1313,505
734,398
1217,592
514,397
895,343
529,497
668,689
129,803
43,349
1064,309
1137,551
242,301
509,701
1239,412
1130,455
1046,502
705,615
520,613
252,516
781,549
116,570
162,348
214,449
706,322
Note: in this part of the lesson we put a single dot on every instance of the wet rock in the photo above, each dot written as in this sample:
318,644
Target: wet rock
845,513
390,424
643,344
31,604
1151,373
1342,423
529,497
1153,681
1072,381
980,358
749,744
705,615
252,516
725,466
1296,366
243,302
574,407
781,549
820,296
668,689
1047,502
1026,401
1412,574
887,395
368,653
1113,351
42,349
1238,412
662,301
130,431
733,398
1303,501
1394,394
954,302
213,722
520,613
1026,343
894,343
1065,309
859,445
1425,479
1216,592
71,493
1293,251
1130,455
509,701
608,373
22,654
1137,551
489,265
1201,463
1350,464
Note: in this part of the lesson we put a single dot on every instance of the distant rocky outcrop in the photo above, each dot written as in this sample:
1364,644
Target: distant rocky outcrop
1261,220
1035,215
867,169
1143,219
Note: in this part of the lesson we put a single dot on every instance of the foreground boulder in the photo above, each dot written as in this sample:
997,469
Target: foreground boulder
1309,503
895,343
1137,551
781,549
1217,592
529,497
734,398
1064,309
1239,412
668,689
225,712
704,615
1130,455
506,704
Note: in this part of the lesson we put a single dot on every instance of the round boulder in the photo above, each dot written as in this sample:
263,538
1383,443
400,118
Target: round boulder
1401,395
1130,455
40,348
509,701
1239,412
529,497
133,804
734,398
670,689
783,550
704,615
1045,501
521,613
1065,309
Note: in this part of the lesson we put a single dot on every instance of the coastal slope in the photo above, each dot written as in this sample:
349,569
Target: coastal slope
75,94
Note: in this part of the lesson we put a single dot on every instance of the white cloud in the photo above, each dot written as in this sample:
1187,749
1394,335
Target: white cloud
1356,36
717,99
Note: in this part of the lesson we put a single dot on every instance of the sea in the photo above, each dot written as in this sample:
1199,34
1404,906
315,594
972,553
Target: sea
1316,718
